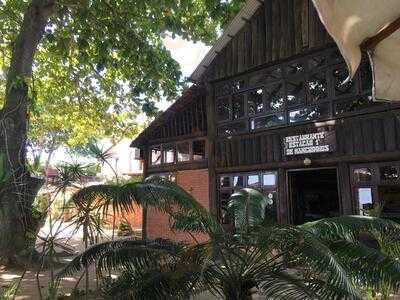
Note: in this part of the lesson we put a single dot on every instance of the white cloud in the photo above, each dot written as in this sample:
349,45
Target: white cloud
186,53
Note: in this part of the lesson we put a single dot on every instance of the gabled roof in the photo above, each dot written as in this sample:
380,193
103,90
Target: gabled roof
245,14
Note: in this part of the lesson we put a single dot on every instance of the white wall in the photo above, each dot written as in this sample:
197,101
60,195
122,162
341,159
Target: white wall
123,161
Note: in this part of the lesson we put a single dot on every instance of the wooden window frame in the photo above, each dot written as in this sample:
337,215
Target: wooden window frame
175,144
231,189
332,61
376,181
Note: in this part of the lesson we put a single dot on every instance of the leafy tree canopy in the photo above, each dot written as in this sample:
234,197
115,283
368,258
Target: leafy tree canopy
102,62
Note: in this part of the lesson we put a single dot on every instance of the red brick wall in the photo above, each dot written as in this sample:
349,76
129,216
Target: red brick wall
196,183
133,218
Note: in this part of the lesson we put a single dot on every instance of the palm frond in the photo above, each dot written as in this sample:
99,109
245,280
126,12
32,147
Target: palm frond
369,267
99,153
103,196
156,192
350,228
162,283
120,254
248,207
306,249
282,285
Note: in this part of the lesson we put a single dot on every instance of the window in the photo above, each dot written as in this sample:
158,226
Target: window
183,151
389,173
363,175
296,68
180,152
267,121
238,181
255,102
358,103
269,179
253,181
238,106
233,128
238,85
225,182
156,155
309,113
340,75
266,182
169,154
377,189
199,150
304,89
365,200
317,86
274,96
223,109
296,94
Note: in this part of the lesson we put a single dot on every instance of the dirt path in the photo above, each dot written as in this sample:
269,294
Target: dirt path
29,285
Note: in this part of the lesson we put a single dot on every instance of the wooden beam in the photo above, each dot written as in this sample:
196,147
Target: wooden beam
316,163
371,43
211,137
345,192
144,208
170,168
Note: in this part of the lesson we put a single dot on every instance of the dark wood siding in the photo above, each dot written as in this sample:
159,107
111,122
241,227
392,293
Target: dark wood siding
188,120
356,136
278,30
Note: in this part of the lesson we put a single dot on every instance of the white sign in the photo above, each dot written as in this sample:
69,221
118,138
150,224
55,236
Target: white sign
319,142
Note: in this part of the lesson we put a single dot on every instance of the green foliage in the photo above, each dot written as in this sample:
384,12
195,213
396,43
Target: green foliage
9,293
321,260
248,207
124,229
71,174
100,63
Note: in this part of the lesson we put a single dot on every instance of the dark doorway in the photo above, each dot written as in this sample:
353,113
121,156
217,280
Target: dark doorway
314,195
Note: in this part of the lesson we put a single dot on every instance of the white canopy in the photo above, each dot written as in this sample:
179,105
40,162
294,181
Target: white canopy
371,24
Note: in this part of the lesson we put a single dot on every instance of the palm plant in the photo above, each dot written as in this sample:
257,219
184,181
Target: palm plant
9,293
248,208
69,177
312,261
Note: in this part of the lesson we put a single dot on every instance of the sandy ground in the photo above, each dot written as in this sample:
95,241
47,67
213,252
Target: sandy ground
30,282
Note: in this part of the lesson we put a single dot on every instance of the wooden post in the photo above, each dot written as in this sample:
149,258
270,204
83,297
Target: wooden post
283,205
211,136
144,208
345,192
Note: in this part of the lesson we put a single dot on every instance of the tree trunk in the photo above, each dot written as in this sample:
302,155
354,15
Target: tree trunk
18,225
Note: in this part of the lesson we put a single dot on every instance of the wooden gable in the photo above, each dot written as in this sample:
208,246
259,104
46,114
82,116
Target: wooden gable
278,30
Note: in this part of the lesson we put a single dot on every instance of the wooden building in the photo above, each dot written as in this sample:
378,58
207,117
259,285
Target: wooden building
270,109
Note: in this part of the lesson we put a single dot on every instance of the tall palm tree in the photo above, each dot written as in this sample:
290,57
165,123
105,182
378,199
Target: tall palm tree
313,261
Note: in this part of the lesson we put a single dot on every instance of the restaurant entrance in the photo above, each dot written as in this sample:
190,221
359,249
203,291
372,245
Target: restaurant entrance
314,194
